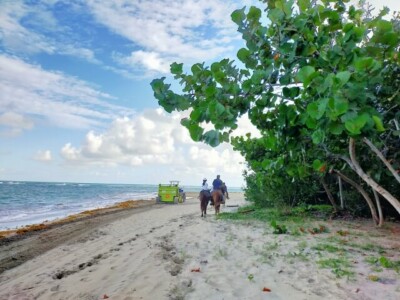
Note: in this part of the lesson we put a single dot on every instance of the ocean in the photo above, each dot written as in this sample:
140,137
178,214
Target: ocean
23,202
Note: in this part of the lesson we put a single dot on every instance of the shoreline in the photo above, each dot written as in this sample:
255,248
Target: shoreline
69,226
46,224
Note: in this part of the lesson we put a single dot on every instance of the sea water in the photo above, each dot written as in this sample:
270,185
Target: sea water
23,203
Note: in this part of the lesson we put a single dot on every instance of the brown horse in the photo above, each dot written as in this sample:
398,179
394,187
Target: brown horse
217,197
205,197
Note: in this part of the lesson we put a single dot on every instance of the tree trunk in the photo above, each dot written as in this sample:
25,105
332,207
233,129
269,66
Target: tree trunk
362,192
356,166
328,192
383,159
341,192
378,205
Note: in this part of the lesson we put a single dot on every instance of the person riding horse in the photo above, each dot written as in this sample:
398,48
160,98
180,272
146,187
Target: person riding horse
205,197
224,191
218,186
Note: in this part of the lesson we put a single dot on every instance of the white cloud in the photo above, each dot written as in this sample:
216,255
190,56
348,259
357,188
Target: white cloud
43,155
151,61
150,139
13,123
27,39
167,31
15,36
30,92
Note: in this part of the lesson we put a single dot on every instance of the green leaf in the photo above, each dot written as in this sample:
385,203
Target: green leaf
390,38
312,110
384,25
291,92
355,125
305,74
335,128
243,54
276,15
270,142
196,68
254,14
195,132
219,76
158,85
303,4
219,108
195,115
378,123
266,164
210,91
186,122
341,106
285,79
317,164
318,137
343,77
176,69
317,109
311,123
328,83
215,67
285,6
212,138
238,16
363,63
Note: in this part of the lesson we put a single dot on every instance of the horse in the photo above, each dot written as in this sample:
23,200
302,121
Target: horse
218,198
205,197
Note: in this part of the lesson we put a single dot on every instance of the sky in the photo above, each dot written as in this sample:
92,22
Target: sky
75,98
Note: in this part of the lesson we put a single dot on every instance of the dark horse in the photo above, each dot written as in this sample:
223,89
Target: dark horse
217,198
205,197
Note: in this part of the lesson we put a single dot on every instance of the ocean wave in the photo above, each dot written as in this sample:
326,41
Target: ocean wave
13,217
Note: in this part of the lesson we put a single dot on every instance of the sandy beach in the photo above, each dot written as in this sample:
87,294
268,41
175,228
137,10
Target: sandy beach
159,251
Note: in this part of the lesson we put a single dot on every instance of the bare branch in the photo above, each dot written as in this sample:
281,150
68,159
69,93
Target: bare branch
382,158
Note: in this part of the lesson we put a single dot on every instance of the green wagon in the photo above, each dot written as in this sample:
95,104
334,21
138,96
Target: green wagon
170,193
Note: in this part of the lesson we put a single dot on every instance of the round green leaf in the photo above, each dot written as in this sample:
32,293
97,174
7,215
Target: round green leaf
238,16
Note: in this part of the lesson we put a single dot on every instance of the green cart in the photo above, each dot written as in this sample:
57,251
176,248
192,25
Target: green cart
170,193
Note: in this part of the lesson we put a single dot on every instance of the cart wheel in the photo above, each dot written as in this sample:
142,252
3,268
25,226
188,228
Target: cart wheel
176,199
158,199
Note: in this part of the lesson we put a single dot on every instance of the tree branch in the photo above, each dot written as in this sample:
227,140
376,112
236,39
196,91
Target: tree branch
388,196
362,192
383,159
378,205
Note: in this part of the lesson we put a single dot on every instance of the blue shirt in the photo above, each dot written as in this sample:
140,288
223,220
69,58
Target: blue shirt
217,184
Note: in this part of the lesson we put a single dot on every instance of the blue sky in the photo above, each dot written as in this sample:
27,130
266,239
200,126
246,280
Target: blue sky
75,99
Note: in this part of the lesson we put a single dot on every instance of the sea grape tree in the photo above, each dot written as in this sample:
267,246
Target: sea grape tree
317,79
